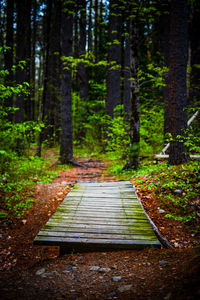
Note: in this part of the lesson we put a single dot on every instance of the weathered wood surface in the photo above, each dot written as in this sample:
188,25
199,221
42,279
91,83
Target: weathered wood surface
97,216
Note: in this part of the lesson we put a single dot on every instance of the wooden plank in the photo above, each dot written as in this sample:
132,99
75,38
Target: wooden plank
96,235
106,216
91,209
99,221
99,205
96,243
98,215
99,229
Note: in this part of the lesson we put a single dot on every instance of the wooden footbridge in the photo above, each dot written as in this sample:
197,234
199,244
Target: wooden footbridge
99,216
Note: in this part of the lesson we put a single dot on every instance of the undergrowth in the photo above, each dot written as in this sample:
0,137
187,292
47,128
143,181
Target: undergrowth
175,187
17,184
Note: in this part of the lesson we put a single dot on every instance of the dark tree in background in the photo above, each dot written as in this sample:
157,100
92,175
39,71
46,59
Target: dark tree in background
114,59
134,97
177,81
22,54
82,50
66,148
164,31
127,75
52,74
9,51
195,54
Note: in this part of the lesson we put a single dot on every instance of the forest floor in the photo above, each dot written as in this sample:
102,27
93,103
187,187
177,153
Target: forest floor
36,272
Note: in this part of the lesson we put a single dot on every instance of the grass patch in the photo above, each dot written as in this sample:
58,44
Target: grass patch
17,184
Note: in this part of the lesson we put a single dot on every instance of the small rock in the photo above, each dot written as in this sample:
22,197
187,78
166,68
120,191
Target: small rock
178,192
117,278
114,267
94,268
50,274
163,262
125,288
104,270
113,293
161,211
40,271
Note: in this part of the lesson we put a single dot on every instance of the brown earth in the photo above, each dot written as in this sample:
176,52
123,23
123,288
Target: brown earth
35,272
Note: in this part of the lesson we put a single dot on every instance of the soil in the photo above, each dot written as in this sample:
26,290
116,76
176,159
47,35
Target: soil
36,272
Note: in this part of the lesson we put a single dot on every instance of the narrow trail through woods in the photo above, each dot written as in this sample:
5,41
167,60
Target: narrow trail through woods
35,272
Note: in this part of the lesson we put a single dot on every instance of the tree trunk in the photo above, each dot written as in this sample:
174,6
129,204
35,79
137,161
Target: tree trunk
82,44
195,55
164,28
127,75
114,56
134,97
28,59
66,148
21,54
96,30
90,27
177,81
9,52
33,69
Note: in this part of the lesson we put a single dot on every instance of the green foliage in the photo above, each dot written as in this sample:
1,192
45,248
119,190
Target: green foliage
151,129
17,182
153,74
18,171
88,117
175,187
117,143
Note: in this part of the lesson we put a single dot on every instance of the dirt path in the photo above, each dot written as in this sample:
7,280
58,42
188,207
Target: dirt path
33,272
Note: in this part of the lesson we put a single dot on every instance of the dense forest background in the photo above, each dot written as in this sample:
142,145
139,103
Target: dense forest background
107,75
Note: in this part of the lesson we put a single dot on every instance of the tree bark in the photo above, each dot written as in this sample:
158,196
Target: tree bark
164,28
134,97
195,55
82,50
127,75
177,81
9,52
90,48
114,56
22,53
33,67
96,6
66,148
